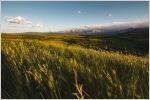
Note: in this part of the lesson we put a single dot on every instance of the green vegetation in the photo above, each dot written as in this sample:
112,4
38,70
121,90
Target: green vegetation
74,66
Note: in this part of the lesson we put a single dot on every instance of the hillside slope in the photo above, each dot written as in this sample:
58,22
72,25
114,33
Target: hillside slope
44,69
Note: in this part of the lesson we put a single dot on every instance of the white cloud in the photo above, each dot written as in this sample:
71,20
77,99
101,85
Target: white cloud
109,15
127,24
18,20
38,25
21,21
79,12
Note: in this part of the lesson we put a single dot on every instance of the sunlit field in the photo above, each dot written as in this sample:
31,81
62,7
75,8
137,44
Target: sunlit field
73,66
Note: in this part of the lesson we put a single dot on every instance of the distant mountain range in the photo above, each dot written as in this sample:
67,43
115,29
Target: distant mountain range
96,30
112,27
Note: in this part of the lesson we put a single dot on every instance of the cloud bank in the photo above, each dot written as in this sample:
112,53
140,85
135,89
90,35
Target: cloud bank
125,25
120,25
111,27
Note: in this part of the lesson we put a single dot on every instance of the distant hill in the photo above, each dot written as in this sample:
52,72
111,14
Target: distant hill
142,33
139,32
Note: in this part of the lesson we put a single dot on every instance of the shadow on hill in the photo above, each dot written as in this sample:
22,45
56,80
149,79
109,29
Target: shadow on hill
9,80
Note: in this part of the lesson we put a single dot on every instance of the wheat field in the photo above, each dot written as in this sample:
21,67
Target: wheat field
52,69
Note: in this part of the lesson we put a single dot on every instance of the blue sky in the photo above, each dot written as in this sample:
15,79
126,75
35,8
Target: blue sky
56,16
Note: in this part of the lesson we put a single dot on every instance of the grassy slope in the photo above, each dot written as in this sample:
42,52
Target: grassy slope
124,44
52,68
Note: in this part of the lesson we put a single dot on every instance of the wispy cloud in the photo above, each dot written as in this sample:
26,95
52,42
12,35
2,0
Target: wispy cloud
18,20
109,15
38,25
79,12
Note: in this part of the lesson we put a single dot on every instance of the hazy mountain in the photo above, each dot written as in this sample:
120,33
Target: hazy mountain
111,27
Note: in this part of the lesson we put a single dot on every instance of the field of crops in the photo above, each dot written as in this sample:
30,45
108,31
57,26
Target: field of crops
55,68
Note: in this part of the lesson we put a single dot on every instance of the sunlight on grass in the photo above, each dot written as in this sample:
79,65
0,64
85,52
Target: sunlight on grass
42,69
